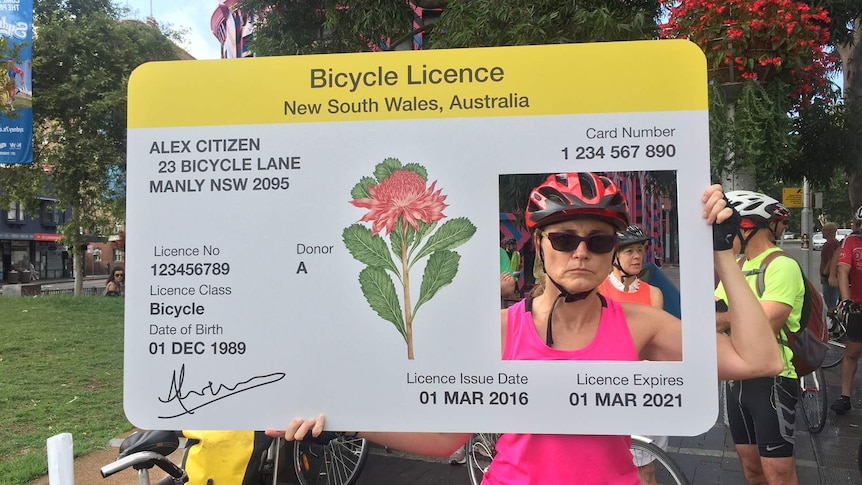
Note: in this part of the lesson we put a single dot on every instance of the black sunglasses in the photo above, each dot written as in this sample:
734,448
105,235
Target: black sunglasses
119,274
596,243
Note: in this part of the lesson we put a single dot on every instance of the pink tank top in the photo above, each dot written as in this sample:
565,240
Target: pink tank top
565,459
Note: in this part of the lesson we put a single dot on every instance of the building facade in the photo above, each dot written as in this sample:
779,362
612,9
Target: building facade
30,242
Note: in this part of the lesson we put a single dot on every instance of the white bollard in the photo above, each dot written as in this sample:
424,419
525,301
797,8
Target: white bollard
61,470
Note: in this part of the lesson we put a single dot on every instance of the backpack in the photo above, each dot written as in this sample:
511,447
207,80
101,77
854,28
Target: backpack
224,457
809,344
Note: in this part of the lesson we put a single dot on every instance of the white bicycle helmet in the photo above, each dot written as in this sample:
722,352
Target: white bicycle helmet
756,209
858,213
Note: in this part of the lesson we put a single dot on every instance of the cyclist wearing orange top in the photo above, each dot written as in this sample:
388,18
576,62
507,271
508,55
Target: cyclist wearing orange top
623,284
574,218
850,286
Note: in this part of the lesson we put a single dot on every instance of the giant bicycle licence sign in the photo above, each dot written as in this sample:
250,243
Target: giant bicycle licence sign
321,235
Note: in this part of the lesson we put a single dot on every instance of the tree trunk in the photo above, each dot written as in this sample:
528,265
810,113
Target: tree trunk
79,269
851,58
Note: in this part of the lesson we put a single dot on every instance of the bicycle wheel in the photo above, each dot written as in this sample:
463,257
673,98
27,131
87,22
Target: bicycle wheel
666,469
480,452
835,352
812,399
338,462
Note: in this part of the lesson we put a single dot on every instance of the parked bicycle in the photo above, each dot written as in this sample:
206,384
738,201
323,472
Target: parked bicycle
143,451
329,459
837,340
482,447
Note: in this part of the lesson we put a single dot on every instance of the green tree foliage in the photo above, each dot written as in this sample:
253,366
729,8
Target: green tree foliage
845,130
326,26
467,23
83,55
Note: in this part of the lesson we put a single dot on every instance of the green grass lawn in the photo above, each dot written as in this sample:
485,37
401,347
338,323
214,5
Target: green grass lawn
61,370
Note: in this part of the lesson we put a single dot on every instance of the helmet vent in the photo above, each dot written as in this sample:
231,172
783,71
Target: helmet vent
588,187
553,195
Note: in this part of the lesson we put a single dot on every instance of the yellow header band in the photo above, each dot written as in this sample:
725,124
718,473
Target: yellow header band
611,77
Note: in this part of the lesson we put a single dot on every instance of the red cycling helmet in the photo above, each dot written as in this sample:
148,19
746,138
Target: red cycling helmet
573,195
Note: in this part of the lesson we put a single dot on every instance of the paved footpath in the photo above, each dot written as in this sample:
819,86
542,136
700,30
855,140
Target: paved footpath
828,458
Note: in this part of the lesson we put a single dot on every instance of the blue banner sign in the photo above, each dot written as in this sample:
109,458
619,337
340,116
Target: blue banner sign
16,83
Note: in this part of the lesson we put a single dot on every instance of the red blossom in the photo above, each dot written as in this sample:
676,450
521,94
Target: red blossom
402,194
783,39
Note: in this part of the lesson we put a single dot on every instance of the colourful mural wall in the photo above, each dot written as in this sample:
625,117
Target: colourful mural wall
233,28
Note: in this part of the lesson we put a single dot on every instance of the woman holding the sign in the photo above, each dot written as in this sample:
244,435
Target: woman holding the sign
574,218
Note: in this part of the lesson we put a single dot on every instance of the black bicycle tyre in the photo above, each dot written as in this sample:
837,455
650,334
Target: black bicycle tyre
670,466
813,400
339,462
835,353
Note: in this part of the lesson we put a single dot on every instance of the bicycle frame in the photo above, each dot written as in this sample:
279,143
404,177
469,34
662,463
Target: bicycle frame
142,461
343,457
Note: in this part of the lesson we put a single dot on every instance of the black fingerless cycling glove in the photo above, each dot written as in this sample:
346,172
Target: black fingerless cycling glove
724,232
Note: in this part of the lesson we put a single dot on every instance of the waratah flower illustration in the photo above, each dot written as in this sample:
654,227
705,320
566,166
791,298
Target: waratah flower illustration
402,205
402,193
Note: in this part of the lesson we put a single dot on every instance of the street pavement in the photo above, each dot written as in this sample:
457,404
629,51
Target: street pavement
827,458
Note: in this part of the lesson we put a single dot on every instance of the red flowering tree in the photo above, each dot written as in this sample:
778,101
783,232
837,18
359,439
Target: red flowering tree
758,40
403,207
769,64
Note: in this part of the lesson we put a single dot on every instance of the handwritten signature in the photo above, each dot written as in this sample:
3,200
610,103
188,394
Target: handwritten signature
216,391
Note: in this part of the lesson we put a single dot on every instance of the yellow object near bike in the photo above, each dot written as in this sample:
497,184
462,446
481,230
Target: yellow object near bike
224,457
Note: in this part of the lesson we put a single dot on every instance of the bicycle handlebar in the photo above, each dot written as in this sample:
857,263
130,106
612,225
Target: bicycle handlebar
142,457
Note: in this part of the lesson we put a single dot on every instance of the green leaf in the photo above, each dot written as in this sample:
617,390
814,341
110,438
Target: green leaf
424,230
451,234
418,170
360,190
386,167
380,293
368,249
440,271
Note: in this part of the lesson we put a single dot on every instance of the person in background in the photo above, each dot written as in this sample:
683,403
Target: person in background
116,283
508,284
849,271
623,283
830,292
762,410
574,218
515,261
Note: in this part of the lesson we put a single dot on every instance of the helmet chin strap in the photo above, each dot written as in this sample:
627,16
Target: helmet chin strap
743,241
618,266
567,297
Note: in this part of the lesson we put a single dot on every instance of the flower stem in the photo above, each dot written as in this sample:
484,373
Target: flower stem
405,281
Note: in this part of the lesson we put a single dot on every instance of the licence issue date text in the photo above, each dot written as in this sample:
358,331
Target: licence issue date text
480,398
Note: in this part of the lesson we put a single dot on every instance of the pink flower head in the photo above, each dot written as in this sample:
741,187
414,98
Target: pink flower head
401,194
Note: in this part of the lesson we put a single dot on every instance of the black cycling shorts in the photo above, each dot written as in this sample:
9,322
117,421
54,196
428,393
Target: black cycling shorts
854,327
762,411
